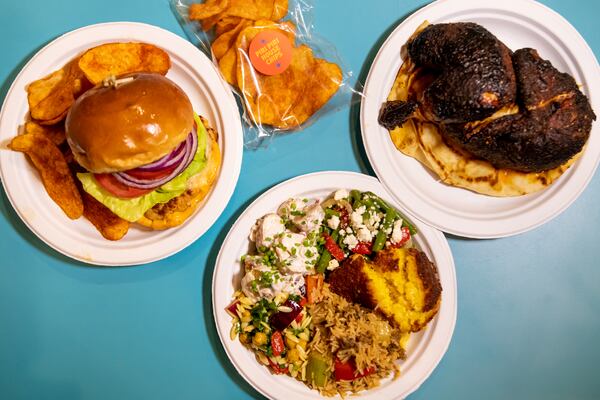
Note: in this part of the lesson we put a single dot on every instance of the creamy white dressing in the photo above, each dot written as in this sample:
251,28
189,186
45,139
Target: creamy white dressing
288,240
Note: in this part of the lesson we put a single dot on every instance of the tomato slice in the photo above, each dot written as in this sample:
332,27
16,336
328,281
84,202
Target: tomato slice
112,185
277,344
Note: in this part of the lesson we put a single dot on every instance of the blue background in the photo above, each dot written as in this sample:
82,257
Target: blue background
529,306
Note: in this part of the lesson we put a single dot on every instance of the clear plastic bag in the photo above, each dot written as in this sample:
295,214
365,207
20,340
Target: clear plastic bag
284,74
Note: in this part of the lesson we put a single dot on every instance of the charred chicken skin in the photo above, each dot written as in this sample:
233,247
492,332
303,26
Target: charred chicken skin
473,75
476,76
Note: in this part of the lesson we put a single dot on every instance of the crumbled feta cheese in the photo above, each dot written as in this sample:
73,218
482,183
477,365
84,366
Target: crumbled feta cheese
349,230
397,232
340,194
342,232
364,235
356,218
333,222
333,264
373,221
350,241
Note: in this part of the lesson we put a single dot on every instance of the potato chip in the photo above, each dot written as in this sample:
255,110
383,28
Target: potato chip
51,97
117,59
288,99
208,9
223,43
322,84
280,9
208,23
110,226
212,12
227,66
226,24
56,133
251,9
55,173
228,63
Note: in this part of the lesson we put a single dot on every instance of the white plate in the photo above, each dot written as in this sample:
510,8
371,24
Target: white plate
79,239
425,348
518,23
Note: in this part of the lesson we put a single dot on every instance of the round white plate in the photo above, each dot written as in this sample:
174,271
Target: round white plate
195,74
518,23
425,349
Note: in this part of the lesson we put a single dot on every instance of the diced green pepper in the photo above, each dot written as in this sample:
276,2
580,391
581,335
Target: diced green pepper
316,369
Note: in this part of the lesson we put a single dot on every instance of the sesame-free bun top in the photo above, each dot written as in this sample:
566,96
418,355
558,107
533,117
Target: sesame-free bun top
135,122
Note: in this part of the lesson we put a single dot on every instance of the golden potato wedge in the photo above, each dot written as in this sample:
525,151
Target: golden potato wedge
110,226
116,59
56,133
53,168
51,97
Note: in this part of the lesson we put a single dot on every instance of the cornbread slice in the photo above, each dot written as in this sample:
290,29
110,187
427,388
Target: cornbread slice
402,284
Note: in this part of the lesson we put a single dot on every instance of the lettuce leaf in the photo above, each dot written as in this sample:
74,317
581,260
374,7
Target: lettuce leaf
133,209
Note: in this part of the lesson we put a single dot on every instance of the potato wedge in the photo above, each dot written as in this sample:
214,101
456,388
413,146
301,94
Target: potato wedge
56,133
116,59
110,226
51,97
53,168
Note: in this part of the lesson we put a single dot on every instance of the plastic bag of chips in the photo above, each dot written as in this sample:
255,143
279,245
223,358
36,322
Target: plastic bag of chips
284,74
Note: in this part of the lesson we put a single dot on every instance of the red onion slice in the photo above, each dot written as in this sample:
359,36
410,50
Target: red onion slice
167,161
190,148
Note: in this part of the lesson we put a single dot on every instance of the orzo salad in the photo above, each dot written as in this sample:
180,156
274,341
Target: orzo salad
332,290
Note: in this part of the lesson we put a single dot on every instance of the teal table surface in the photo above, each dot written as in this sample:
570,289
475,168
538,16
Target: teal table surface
528,306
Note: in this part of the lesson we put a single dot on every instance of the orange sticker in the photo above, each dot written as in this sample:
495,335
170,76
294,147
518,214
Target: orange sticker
270,52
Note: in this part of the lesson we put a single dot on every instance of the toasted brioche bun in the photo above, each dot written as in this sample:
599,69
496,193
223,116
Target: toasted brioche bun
136,122
179,209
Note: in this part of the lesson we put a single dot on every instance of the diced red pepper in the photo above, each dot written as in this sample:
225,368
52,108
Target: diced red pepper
346,371
303,302
277,369
333,248
299,318
232,308
277,343
364,248
405,238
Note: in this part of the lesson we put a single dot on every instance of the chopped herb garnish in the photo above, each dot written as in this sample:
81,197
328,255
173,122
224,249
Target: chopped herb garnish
294,297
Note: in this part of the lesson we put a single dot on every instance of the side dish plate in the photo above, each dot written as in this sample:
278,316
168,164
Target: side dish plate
195,74
425,349
518,23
